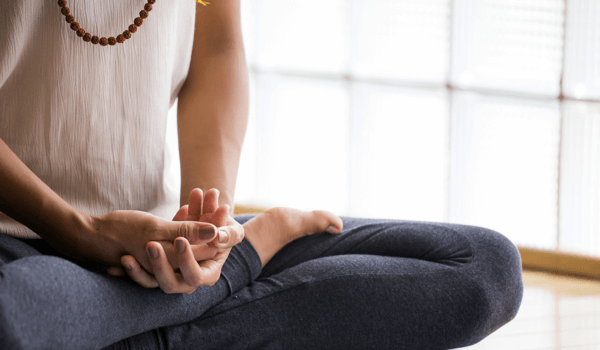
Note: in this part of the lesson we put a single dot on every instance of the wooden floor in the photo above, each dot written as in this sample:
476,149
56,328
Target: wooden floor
557,312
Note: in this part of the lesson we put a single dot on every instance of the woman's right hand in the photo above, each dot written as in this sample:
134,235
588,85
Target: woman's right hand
126,232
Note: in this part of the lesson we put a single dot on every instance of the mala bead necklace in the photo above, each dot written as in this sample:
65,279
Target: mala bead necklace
87,37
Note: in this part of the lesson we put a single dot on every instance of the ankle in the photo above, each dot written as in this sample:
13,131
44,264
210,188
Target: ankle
260,246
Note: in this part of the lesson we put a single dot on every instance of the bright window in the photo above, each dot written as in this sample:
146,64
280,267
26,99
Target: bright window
481,112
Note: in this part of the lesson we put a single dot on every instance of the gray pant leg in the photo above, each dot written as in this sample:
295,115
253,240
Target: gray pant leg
381,284
49,302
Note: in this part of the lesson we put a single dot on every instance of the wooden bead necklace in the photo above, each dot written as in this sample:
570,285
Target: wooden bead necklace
87,37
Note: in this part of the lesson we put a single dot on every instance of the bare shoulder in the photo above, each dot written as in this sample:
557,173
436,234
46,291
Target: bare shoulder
218,25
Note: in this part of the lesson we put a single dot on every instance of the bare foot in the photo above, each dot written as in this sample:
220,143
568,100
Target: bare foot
270,231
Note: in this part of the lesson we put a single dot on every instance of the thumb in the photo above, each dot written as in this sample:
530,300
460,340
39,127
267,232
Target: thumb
194,232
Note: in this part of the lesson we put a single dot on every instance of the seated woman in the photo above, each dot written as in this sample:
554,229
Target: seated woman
89,258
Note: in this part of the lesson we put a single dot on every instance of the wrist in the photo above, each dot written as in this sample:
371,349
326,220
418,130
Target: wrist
65,228
68,222
86,238
81,232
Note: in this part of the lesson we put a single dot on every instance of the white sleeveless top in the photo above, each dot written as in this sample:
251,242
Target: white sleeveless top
90,120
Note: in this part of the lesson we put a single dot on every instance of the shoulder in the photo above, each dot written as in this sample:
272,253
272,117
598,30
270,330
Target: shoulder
218,23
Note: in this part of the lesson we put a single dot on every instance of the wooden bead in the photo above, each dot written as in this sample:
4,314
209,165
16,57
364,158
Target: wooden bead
148,7
138,21
120,38
65,10
126,34
95,39
133,28
87,37
70,19
151,1
62,3
103,41
112,41
144,14
75,26
80,32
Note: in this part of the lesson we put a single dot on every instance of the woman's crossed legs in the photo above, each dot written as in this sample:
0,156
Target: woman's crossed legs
382,284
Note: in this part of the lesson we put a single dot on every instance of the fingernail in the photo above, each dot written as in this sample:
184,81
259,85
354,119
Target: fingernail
127,267
205,232
222,236
153,252
180,245
332,230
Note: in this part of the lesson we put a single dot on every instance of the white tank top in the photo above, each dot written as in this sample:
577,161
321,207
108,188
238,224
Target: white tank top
90,120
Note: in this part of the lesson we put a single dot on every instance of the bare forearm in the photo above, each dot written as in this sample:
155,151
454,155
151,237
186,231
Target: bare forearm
27,199
212,121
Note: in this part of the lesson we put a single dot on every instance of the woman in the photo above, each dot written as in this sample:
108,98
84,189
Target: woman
82,126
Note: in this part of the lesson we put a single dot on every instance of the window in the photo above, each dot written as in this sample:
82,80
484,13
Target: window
482,112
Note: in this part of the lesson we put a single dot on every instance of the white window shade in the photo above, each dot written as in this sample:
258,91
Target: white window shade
580,179
399,152
300,36
302,136
582,50
401,40
510,45
504,166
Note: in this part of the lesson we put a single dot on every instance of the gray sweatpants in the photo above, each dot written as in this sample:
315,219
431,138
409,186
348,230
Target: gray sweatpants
381,284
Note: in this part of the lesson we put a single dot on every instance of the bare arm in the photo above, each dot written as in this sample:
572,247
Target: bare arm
213,103
211,120
27,199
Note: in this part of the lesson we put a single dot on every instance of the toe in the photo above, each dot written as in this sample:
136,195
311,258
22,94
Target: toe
328,222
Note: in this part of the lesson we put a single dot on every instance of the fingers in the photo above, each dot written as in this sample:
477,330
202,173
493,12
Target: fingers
202,206
168,280
221,216
137,274
203,251
229,236
199,252
194,231
195,202
182,213
193,274
116,271
211,201
212,268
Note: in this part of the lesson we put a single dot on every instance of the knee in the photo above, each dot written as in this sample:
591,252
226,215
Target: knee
496,272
